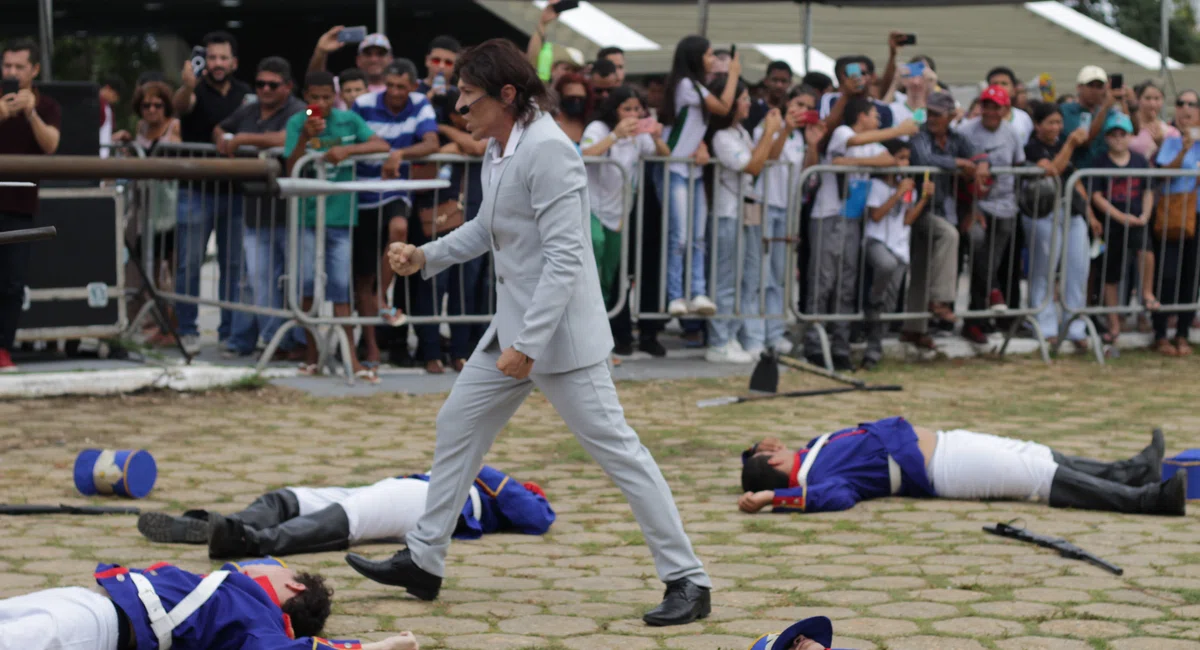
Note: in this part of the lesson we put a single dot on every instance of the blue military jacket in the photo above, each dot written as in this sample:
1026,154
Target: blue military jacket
505,505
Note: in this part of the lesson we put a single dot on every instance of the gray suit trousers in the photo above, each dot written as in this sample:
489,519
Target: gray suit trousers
482,401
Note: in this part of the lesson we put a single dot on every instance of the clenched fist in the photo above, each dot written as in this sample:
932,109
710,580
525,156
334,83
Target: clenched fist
405,259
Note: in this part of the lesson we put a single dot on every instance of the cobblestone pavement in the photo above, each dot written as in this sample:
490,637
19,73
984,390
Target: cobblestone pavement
897,573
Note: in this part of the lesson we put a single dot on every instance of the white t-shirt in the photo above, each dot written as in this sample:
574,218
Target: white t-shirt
106,131
779,185
1019,121
829,196
733,149
605,182
891,229
690,95
901,112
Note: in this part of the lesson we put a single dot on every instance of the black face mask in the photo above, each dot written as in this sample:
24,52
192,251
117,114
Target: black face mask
574,106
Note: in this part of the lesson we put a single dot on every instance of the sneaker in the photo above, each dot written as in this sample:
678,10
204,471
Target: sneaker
731,352
703,306
996,301
6,362
191,343
974,334
678,307
783,346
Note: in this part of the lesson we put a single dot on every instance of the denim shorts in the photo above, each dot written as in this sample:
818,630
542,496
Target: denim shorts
337,263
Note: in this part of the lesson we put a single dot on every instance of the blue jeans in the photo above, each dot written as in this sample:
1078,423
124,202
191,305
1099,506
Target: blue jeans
723,330
677,235
760,332
1075,267
199,214
461,282
337,263
266,254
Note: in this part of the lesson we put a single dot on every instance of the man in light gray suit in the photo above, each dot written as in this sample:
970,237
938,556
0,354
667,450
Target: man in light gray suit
550,331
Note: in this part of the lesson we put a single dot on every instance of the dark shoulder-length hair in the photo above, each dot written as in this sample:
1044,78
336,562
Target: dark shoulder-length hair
576,78
608,111
1041,111
687,65
158,89
497,63
717,87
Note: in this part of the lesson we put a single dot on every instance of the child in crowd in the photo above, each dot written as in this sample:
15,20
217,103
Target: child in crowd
340,134
737,200
619,134
353,84
894,205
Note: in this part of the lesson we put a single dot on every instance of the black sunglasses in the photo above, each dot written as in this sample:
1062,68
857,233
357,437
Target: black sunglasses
270,85
149,105
1179,103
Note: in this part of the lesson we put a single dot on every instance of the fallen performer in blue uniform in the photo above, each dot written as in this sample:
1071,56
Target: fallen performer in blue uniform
313,520
813,633
256,605
892,457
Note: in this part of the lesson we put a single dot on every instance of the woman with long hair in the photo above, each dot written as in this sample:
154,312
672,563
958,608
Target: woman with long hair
156,117
574,104
738,205
1149,129
687,106
1053,154
1176,214
618,134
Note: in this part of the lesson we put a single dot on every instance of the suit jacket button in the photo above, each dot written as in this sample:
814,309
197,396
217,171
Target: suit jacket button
500,279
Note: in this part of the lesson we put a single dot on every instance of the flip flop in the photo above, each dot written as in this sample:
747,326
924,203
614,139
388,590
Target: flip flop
1151,303
310,369
367,375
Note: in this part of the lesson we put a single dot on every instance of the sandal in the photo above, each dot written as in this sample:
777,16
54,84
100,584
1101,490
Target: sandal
435,367
1150,303
943,312
1109,338
1165,348
368,375
1182,345
310,369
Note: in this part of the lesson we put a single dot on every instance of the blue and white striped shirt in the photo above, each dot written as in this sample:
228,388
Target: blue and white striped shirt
401,130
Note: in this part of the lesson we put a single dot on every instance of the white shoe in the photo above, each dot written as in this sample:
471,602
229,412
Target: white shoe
755,353
678,307
191,343
783,346
703,306
731,352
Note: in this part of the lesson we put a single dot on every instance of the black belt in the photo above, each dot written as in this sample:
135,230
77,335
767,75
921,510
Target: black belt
125,637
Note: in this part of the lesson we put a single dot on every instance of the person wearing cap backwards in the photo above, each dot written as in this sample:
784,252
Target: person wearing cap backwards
1090,111
813,633
313,520
893,457
374,56
256,605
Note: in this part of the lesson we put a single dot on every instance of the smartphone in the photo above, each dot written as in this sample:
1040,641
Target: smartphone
733,50
853,70
565,5
909,39
9,86
914,69
314,110
1117,81
199,59
645,125
809,117
352,34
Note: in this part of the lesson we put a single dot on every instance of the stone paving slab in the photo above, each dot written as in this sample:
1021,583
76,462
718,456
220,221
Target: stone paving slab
893,574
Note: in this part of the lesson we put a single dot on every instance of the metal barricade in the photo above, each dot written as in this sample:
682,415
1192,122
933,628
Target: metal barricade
1159,267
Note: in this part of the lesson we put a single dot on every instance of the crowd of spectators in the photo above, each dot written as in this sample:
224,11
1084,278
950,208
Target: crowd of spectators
875,243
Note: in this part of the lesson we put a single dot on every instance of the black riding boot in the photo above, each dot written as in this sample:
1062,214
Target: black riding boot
324,530
1074,489
1143,469
270,509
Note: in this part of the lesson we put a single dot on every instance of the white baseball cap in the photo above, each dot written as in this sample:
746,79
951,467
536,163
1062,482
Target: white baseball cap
375,40
1091,73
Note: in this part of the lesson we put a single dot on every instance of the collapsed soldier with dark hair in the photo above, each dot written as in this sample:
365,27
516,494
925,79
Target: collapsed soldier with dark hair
892,457
256,605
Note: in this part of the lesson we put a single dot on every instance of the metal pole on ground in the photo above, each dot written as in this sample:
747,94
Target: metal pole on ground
702,8
46,36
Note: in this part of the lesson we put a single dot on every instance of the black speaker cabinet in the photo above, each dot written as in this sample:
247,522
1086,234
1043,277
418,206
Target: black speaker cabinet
81,118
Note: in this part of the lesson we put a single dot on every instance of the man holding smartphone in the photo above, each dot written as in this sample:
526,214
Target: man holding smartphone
1096,99
29,125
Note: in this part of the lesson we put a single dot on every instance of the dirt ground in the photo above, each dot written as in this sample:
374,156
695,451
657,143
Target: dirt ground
896,573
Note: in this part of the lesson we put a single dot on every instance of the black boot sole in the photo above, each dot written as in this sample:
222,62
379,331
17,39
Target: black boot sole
381,572
166,529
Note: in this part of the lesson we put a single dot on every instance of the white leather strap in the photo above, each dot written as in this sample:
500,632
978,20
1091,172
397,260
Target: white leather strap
163,623
894,474
809,458
476,503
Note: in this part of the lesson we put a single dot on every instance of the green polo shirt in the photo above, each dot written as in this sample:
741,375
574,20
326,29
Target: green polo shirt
342,128
1075,116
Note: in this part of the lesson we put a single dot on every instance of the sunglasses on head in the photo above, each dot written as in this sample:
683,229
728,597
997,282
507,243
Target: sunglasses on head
269,85
149,105
437,60
1180,103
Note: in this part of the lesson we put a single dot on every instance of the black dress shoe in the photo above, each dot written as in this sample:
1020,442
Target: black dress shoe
652,347
683,602
624,348
398,571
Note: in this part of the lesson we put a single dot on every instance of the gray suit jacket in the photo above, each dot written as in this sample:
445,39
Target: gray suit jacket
535,219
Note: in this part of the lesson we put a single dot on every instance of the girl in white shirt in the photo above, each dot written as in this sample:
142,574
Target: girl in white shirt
617,134
686,110
738,201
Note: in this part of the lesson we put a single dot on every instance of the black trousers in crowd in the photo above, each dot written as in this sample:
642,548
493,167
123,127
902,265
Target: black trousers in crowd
1175,282
14,264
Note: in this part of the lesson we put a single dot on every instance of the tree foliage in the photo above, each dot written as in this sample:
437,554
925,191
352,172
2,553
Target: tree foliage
1141,21
84,57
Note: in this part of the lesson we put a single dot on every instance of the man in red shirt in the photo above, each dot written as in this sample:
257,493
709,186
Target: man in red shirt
29,125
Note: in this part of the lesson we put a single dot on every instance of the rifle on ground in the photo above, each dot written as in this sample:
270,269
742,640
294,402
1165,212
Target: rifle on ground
63,509
1064,548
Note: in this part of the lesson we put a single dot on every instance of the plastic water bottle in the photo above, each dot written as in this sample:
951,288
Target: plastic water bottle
545,61
439,84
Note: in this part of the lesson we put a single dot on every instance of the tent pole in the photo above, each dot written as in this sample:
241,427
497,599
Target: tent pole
702,7
381,16
807,36
1164,36
46,36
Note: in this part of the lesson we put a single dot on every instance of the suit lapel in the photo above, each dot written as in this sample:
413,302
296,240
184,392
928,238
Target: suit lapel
489,197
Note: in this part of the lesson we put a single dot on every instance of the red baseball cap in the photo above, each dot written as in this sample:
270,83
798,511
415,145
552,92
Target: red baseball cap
995,94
